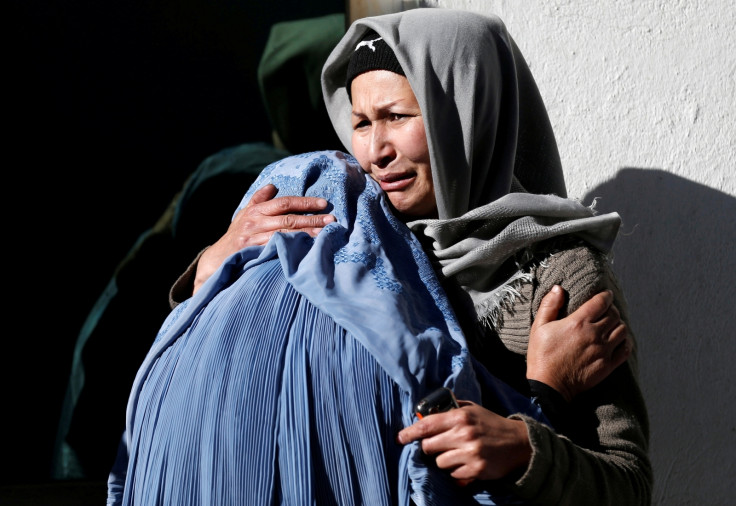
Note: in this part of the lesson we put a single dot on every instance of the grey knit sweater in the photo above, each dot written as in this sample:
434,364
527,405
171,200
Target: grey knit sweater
602,459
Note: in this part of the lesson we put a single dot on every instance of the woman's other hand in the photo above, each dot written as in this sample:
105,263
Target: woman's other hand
471,442
256,223
577,352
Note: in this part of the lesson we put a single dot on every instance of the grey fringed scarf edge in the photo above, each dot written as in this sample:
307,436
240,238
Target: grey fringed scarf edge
510,241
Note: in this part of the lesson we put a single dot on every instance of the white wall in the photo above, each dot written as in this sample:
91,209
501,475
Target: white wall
642,98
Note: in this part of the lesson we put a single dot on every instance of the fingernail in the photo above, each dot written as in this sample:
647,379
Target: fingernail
556,288
322,202
328,219
399,439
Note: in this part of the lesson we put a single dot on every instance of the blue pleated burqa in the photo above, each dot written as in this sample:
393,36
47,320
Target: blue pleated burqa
285,379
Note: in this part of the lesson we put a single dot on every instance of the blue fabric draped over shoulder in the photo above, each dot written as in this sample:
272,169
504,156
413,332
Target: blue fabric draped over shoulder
286,377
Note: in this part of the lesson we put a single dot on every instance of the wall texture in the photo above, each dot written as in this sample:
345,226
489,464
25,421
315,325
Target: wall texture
642,95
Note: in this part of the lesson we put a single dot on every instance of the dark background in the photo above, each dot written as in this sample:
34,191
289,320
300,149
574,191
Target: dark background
111,106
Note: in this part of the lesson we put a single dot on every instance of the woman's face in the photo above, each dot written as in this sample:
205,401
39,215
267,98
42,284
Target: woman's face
390,143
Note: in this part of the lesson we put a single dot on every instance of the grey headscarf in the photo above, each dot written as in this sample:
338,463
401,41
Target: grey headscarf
496,170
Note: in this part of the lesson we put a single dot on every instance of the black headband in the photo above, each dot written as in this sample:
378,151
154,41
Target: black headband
371,53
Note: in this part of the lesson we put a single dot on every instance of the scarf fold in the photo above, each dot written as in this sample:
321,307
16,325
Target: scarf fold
473,248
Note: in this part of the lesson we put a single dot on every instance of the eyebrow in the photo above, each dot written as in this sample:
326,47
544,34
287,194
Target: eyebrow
381,108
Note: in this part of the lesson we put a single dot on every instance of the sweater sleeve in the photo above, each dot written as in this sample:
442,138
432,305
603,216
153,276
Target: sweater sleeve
553,404
183,287
603,457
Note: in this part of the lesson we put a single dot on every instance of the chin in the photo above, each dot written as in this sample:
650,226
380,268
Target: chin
407,213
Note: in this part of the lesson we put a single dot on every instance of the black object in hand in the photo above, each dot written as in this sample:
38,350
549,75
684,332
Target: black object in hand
439,401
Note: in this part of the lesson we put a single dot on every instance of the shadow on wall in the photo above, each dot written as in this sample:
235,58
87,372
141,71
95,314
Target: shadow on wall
676,260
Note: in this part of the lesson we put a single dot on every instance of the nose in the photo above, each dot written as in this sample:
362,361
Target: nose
381,150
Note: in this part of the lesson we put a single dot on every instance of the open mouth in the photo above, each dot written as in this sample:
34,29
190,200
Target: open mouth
396,182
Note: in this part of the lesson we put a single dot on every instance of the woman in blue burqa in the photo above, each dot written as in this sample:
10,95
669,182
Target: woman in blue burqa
287,375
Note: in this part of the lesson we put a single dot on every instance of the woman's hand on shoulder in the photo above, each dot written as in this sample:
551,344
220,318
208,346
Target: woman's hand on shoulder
471,442
256,223
575,353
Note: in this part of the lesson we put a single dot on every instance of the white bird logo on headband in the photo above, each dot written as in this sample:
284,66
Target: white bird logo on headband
368,43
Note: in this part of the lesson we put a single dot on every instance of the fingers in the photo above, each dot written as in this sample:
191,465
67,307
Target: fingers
622,353
575,353
431,425
286,205
622,346
293,222
549,308
601,311
597,306
422,429
444,436
263,195
268,205
287,213
264,199
610,327
266,214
